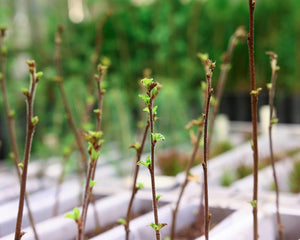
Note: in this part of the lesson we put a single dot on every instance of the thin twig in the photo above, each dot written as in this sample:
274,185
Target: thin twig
199,123
11,127
273,120
94,150
254,98
59,80
211,66
239,33
139,151
31,124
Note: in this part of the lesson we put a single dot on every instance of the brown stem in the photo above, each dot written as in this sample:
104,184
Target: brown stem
254,99
97,49
225,67
135,176
208,94
274,67
93,164
70,119
186,180
12,131
151,170
29,136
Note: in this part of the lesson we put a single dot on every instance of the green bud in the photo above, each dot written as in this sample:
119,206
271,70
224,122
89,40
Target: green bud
35,120
269,85
146,163
39,74
203,56
122,221
253,203
92,183
158,197
97,111
147,81
25,91
12,113
21,165
145,98
157,137
274,120
140,186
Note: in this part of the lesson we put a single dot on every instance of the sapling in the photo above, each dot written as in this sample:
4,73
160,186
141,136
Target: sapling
10,116
209,65
254,98
238,36
139,147
32,122
273,120
94,139
151,92
195,142
59,80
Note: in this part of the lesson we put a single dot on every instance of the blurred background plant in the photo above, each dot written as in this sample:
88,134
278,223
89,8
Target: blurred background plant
164,36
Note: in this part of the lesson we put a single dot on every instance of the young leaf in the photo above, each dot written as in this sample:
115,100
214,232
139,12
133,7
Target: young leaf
94,154
35,120
157,137
147,81
253,203
92,183
140,186
122,221
158,197
145,98
145,163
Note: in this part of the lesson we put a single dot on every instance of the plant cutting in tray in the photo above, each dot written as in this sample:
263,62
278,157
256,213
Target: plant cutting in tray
152,89
10,116
95,141
32,122
254,98
273,120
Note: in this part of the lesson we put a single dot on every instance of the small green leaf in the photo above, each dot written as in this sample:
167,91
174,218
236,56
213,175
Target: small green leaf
158,197
145,98
21,165
12,113
274,120
70,215
157,227
269,85
122,221
75,215
140,186
203,56
92,183
146,109
94,154
35,120
157,137
154,91
147,81
39,74
76,212
253,203
154,110
145,163
25,91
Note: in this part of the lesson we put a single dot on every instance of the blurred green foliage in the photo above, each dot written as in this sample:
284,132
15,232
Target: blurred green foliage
164,36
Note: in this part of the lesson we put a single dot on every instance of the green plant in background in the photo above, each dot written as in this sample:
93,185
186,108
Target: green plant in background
32,122
152,89
294,178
